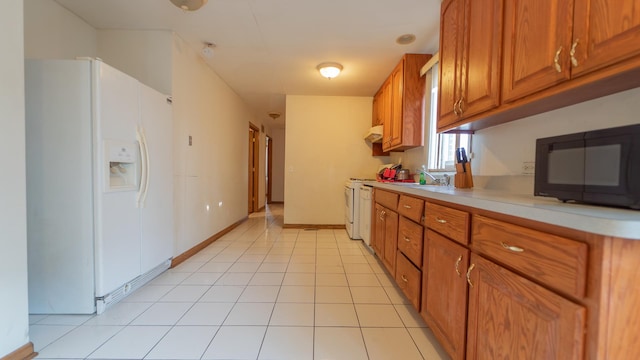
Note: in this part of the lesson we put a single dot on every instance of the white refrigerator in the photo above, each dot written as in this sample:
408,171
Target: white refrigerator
99,185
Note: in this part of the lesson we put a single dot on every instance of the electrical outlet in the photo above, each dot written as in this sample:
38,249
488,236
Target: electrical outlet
528,168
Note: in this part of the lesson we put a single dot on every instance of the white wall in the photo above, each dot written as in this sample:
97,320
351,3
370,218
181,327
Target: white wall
51,31
14,320
277,166
145,55
214,168
501,150
324,148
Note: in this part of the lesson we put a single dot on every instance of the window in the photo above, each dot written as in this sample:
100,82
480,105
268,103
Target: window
441,148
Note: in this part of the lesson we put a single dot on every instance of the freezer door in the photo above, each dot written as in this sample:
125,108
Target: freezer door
157,200
117,218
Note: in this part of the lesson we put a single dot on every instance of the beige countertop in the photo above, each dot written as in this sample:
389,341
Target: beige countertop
600,220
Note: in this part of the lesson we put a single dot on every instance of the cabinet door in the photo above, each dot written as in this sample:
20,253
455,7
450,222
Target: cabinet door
513,318
605,32
386,114
480,90
390,240
397,86
375,109
377,240
444,300
537,41
451,32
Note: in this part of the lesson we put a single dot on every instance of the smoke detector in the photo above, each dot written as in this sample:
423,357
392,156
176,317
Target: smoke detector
207,50
274,115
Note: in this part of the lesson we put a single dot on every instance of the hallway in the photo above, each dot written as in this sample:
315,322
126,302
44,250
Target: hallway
259,292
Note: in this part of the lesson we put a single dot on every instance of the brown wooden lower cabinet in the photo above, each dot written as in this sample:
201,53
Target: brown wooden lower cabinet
390,240
377,223
409,279
511,317
495,286
444,299
385,237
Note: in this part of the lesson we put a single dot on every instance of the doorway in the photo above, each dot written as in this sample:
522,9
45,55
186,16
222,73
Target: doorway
268,166
254,156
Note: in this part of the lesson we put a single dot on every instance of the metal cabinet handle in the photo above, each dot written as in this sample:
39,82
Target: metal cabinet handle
556,60
469,274
404,278
441,221
461,105
407,239
455,108
382,213
572,53
511,247
407,206
458,265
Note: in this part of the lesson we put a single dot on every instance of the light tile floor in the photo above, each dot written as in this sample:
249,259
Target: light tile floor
259,292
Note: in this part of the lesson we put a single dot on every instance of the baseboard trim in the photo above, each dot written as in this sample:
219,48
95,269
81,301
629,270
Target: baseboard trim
276,202
25,352
194,250
313,226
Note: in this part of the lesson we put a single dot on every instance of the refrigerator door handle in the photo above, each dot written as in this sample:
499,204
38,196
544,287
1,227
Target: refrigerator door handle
143,167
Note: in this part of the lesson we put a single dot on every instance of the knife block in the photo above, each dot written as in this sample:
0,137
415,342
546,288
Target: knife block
463,178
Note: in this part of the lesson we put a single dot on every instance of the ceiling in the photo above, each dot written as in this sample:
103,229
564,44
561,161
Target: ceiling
267,49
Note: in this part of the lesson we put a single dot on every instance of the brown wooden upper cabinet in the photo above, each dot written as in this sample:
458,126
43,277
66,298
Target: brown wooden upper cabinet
548,41
399,104
470,50
504,60
604,32
536,45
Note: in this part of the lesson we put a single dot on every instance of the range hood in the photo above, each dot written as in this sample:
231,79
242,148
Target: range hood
374,135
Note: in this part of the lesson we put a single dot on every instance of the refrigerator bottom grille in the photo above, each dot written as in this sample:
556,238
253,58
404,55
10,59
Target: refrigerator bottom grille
103,303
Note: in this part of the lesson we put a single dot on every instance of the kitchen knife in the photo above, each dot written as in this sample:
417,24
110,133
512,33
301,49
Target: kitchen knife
461,158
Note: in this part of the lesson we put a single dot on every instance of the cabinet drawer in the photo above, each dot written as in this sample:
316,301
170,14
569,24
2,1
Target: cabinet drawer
411,208
549,259
409,279
386,199
449,222
410,240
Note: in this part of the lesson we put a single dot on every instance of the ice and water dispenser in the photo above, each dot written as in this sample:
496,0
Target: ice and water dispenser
122,159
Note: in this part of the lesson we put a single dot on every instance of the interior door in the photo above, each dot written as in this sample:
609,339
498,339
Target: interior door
269,173
254,154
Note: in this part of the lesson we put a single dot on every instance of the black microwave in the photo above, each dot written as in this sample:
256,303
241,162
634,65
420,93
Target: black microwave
597,167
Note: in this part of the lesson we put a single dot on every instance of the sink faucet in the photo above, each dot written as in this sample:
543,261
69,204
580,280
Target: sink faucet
424,171
434,180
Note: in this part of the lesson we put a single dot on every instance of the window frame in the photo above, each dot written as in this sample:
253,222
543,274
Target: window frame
436,141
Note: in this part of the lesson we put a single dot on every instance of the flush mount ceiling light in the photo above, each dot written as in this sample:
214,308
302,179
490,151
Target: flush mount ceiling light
189,5
405,39
329,69
207,50
274,114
